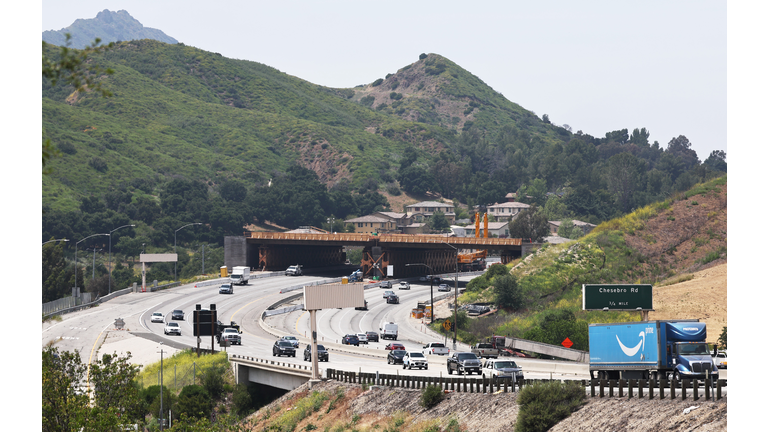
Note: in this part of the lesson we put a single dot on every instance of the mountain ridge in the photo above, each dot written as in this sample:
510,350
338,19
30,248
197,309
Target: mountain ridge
107,26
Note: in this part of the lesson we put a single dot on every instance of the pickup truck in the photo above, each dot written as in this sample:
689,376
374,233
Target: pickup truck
294,270
485,350
462,362
437,348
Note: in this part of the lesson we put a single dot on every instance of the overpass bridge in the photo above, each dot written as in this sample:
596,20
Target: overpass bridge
276,251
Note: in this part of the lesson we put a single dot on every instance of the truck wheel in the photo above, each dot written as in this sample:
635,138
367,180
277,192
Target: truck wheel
450,371
676,376
426,367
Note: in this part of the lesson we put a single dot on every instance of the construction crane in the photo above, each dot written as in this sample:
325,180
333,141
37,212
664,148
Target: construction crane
475,260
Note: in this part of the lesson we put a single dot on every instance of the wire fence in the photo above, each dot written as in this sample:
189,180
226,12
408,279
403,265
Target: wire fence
176,377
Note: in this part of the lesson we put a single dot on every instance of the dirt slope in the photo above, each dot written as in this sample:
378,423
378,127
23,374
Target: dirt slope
380,409
704,297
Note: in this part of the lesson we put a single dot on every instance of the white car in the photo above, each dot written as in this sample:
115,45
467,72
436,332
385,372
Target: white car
172,328
413,359
405,285
362,338
157,317
721,360
444,287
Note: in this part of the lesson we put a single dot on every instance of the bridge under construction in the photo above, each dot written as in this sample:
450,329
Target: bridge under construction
439,254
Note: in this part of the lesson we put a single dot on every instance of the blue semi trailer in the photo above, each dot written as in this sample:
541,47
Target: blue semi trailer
650,350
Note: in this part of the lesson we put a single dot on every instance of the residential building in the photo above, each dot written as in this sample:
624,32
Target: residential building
422,211
506,210
499,229
372,224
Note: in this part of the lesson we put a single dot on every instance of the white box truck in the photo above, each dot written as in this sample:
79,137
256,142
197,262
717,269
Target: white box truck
240,275
388,330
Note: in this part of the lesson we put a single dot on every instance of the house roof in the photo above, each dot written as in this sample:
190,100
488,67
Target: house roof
510,204
491,225
393,214
430,204
368,218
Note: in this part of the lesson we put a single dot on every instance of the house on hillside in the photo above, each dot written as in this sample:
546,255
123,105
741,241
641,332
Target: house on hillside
499,229
422,211
507,210
373,224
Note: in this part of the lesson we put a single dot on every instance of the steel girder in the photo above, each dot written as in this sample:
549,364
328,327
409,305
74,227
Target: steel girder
275,257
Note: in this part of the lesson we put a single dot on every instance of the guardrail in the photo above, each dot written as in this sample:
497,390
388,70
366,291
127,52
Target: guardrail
492,385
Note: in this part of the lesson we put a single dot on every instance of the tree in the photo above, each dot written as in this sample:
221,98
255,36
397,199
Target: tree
233,190
508,292
624,176
438,222
58,277
194,401
723,339
716,160
529,224
681,148
66,401
534,192
416,180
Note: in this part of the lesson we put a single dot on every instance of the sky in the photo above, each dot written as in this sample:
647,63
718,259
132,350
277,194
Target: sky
596,66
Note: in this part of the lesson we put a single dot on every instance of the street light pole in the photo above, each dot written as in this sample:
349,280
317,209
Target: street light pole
55,240
161,386
110,254
174,245
431,292
94,235
93,266
455,298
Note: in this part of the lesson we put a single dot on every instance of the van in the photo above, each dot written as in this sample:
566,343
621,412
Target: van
388,330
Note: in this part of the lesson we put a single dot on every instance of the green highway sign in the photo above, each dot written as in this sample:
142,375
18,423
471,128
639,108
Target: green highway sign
617,297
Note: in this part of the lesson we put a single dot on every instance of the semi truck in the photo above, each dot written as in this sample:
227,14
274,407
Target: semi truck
650,350
240,275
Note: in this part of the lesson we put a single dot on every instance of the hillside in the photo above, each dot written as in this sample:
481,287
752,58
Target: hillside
355,408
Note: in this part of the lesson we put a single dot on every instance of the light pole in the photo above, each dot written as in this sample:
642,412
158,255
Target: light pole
431,295
331,220
161,386
93,266
56,240
455,298
110,254
174,245
94,235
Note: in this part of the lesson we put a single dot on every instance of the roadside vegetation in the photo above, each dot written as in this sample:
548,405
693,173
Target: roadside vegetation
544,404
539,297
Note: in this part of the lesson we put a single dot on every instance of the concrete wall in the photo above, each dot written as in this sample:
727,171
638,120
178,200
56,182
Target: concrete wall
235,252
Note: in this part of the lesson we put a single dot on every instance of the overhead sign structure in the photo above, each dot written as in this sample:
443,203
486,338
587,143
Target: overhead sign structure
617,297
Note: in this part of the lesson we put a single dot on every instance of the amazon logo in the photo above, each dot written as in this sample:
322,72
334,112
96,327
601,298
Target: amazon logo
631,351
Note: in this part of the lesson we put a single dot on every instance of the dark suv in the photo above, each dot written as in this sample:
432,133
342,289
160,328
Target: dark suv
350,339
177,314
283,348
322,353
372,336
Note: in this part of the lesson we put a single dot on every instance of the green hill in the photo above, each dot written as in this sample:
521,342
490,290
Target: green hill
666,240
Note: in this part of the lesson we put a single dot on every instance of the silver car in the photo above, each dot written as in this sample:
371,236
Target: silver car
405,285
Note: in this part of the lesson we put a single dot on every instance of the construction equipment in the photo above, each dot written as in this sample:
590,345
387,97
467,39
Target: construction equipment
475,260
356,276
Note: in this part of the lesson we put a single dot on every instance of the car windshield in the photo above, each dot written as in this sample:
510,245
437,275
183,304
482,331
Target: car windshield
320,348
416,354
398,353
230,330
504,365
285,344
289,338
467,356
177,311
157,314
172,324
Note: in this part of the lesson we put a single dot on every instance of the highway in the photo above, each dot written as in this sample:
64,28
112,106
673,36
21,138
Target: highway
92,332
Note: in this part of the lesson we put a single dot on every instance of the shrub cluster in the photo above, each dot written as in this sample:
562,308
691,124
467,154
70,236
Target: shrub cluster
543,405
431,396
